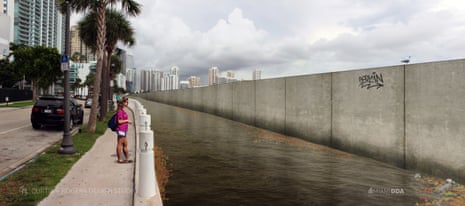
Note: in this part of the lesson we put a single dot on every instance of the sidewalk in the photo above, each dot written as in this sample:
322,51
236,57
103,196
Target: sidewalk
97,179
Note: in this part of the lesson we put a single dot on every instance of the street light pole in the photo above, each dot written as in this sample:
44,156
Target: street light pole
67,146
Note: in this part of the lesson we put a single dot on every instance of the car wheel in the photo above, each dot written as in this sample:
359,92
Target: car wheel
35,126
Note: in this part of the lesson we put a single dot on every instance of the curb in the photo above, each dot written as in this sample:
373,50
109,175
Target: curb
136,162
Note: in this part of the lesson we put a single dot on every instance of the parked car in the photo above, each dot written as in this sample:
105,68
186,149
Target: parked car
88,103
49,111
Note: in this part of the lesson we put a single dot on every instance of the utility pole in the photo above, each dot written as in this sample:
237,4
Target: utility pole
67,146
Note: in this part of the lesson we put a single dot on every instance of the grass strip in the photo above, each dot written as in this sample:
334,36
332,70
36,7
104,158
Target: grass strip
38,178
18,104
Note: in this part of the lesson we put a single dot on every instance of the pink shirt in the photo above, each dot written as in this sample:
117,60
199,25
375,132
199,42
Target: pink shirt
122,115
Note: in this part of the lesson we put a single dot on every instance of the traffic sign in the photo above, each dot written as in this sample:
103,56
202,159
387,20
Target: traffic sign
64,59
64,66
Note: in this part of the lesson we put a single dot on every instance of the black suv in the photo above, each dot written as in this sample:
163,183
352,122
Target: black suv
49,111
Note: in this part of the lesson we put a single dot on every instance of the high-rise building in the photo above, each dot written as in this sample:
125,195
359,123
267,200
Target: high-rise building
80,70
130,80
39,22
6,26
230,74
194,81
213,74
79,49
257,74
145,80
183,84
5,22
165,81
156,77
174,78
3,7
150,80
6,7
155,80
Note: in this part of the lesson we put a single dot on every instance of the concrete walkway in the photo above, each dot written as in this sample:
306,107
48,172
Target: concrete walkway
97,179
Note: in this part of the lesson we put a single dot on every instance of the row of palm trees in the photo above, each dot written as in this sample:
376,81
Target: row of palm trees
101,29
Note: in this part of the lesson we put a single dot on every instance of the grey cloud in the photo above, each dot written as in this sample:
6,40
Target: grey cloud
366,33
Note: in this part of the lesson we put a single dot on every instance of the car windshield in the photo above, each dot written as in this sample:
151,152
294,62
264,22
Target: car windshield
45,101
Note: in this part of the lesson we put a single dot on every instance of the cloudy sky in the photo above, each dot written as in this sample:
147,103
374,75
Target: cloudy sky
294,37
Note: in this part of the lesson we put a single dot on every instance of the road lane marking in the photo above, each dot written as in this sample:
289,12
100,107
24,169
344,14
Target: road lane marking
14,129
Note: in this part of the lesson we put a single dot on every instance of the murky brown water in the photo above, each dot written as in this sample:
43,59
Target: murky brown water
215,161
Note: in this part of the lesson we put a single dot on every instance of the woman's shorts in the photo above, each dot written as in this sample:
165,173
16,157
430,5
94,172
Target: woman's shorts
121,133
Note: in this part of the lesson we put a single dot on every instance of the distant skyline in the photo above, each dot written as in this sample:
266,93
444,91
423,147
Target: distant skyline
294,37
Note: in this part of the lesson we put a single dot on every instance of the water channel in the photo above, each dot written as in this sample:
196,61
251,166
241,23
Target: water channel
216,161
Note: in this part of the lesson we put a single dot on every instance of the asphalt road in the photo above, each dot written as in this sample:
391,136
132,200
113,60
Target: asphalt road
19,142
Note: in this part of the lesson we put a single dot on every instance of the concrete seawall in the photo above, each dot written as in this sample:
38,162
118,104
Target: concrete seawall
410,116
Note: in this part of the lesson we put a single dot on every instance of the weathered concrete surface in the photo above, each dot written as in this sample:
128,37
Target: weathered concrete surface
224,101
369,121
187,98
308,107
197,103
270,104
244,102
435,118
209,99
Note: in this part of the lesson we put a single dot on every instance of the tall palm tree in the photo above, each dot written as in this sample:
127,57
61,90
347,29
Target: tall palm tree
118,29
130,7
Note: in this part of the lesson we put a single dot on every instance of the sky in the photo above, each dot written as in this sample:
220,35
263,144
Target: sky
294,37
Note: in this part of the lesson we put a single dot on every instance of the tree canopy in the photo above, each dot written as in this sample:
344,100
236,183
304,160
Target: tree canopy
38,64
8,76
118,29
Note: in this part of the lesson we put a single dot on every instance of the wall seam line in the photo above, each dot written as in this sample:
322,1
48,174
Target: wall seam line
255,103
331,112
405,124
285,105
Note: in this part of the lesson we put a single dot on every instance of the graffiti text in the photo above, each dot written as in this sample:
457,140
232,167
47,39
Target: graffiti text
371,80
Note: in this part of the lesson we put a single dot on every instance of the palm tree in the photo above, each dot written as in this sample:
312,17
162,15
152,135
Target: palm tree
118,29
130,7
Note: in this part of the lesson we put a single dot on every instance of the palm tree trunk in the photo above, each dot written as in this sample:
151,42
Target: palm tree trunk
101,32
105,85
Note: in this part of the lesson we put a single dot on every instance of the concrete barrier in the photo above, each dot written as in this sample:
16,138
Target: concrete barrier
224,101
308,108
435,118
210,99
411,116
243,102
147,192
270,104
368,113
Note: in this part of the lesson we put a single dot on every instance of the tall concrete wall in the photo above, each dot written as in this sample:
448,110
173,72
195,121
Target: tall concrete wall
368,113
210,99
435,118
224,101
270,104
244,102
308,107
411,116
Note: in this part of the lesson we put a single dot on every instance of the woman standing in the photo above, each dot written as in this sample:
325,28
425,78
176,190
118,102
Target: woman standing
121,131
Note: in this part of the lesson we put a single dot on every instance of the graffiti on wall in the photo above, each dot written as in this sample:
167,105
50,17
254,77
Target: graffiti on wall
371,80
